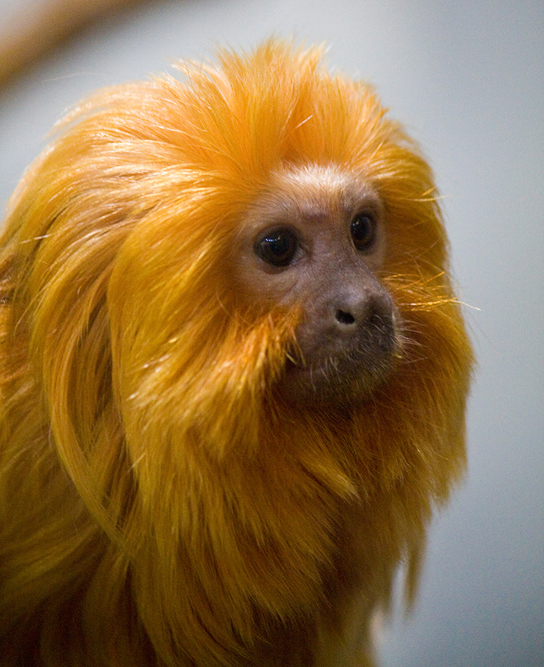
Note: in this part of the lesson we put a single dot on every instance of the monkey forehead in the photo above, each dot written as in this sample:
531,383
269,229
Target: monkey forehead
314,193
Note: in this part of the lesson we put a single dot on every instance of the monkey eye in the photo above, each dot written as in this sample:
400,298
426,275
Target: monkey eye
363,231
278,247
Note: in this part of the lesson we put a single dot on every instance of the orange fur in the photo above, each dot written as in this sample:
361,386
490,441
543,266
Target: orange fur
160,503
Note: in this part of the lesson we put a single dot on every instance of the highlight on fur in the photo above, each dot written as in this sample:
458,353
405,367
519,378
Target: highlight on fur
161,501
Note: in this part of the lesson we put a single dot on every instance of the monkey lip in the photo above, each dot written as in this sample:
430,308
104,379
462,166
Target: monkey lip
351,374
345,367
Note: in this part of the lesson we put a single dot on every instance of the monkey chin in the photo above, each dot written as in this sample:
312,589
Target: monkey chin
340,380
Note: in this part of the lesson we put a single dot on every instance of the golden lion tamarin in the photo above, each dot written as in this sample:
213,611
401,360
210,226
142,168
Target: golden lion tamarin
233,373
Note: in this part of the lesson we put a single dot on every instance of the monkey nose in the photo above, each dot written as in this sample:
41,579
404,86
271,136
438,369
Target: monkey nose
365,310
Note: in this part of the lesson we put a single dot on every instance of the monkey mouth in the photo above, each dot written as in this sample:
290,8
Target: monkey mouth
340,376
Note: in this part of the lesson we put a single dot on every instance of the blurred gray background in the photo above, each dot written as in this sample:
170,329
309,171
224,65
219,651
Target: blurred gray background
467,78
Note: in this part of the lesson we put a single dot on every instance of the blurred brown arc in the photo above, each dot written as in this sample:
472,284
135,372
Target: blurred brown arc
33,32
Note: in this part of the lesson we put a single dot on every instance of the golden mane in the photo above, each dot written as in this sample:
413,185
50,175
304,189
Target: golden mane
160,503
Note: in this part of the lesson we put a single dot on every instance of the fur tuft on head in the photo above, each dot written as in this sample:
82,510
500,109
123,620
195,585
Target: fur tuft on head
161,501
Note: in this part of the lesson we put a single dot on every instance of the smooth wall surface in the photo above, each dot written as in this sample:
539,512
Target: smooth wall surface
467,78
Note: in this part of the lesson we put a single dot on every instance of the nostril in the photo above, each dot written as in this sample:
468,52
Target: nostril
343,317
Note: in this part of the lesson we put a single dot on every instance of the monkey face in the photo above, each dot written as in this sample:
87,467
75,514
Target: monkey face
314,240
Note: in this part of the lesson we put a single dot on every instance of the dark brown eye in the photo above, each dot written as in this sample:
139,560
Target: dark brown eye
363,231
278,247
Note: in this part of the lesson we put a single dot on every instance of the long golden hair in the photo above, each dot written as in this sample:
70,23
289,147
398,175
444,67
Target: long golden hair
160,504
